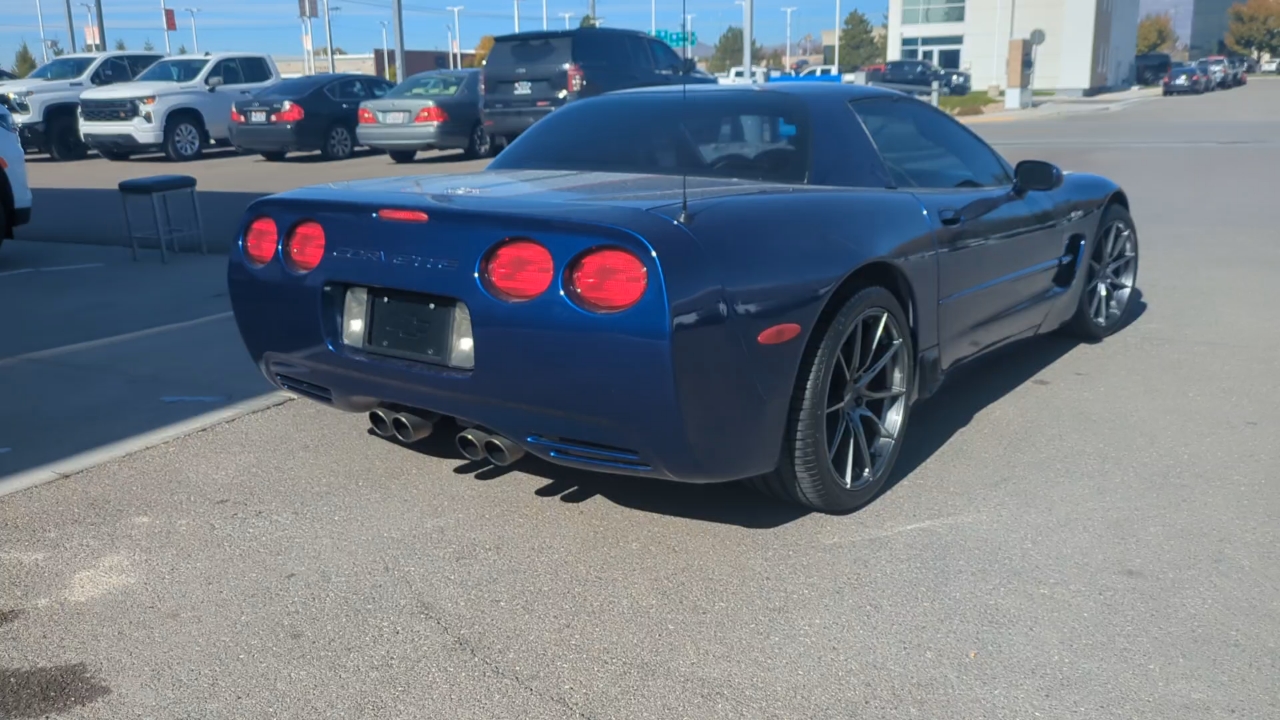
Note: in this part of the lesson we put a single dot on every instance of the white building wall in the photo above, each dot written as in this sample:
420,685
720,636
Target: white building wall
1064,62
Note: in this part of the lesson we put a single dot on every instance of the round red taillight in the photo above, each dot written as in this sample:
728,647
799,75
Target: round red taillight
519,270
260,241
608,280
304,248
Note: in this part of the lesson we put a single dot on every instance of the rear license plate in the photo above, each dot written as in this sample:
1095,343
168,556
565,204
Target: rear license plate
397,118
524,87
409,325
258,116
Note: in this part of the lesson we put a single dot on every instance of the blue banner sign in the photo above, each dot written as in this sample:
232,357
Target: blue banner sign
676,38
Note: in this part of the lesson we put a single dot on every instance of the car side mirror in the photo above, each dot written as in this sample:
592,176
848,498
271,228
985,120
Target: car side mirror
688,66
1036,176
214,82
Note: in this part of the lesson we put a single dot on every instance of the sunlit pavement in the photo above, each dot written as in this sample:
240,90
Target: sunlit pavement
1078,531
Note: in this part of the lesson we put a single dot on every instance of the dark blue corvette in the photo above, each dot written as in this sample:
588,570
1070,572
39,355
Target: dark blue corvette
740,282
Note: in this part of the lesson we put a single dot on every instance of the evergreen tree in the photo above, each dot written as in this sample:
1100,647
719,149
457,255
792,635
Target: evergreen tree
147,46
182,49
120,46
23,61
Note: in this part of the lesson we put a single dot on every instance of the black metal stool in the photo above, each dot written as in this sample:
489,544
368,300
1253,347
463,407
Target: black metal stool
159,188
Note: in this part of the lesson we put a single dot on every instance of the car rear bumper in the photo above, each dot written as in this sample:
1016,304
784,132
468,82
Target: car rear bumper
510,123
275,138
419,136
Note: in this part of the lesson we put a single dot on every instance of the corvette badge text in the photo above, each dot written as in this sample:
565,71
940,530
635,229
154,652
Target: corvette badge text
415,261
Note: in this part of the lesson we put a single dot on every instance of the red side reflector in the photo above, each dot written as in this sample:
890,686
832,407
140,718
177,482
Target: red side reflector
402,215
778,334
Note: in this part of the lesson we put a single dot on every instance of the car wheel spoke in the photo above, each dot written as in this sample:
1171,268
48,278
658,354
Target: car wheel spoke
861,434
880,364
841,426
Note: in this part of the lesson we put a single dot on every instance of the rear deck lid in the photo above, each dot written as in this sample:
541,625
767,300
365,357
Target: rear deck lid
525,71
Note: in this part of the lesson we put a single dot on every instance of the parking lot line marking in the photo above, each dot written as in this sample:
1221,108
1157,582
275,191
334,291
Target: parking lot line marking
114,451
17,272
51,269
103,342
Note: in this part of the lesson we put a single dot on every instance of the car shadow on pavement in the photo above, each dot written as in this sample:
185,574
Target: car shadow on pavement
93,216
725,503
972,387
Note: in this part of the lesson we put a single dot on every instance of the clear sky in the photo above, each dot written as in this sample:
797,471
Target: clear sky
272,25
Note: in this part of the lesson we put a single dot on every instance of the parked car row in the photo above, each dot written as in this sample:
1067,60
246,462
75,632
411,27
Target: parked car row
1205,75
123,104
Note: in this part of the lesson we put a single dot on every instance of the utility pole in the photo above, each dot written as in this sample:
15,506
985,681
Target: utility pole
653,17
102,26
517,3
566,17
457,29
71,27
195,40
748,9
688,36
397,9
788,11
386,57
837,58
328,35
544,14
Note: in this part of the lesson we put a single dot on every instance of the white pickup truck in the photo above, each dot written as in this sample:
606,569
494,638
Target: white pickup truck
44,104
179,106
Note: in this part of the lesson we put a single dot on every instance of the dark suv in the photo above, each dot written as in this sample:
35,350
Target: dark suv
918,75
527,75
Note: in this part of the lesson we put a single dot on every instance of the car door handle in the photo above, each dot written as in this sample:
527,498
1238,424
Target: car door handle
949,218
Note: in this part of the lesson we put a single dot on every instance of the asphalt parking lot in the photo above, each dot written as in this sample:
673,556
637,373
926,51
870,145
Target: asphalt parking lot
1076,531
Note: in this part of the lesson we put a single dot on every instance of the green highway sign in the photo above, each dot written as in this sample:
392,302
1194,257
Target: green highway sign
676,38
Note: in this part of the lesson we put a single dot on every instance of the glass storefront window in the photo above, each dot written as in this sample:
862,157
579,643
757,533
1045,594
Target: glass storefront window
919,12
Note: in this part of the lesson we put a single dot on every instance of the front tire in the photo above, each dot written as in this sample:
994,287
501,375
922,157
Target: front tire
1110,278
849,408
183,140
65,142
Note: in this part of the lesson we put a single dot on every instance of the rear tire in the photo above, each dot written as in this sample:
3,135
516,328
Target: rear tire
403,156
868,340
480,145
1111,276
65,142
339,143
274,156
183,139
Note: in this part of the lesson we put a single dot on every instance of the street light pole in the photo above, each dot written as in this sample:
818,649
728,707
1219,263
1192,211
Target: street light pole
566,17
837,57
748,9
457,33
448,29
195,39
517,3
397,10
653,17
788,11
102,25
88,11
688,36
544,14
71,27
328,35
44,45
386,57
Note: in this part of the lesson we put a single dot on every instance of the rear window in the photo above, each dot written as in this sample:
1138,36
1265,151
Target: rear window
526,52
442,85
293,87
748,135
174,71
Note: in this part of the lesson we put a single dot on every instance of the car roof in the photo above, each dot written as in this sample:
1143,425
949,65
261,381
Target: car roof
572,32
809,89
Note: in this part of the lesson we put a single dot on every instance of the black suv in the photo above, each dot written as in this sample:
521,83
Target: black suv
527,75
918,75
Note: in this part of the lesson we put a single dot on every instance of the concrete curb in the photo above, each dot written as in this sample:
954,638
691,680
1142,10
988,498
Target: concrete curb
67,467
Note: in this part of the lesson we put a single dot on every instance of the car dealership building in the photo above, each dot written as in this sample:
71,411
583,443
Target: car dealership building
1088,45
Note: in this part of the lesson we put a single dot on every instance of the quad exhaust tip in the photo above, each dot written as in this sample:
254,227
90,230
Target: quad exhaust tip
405,427
477,446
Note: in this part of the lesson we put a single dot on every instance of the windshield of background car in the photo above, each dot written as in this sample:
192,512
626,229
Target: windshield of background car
442,85
541,51
62,69
173,71
747,135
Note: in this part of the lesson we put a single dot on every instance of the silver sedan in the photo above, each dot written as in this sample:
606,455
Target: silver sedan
436,110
